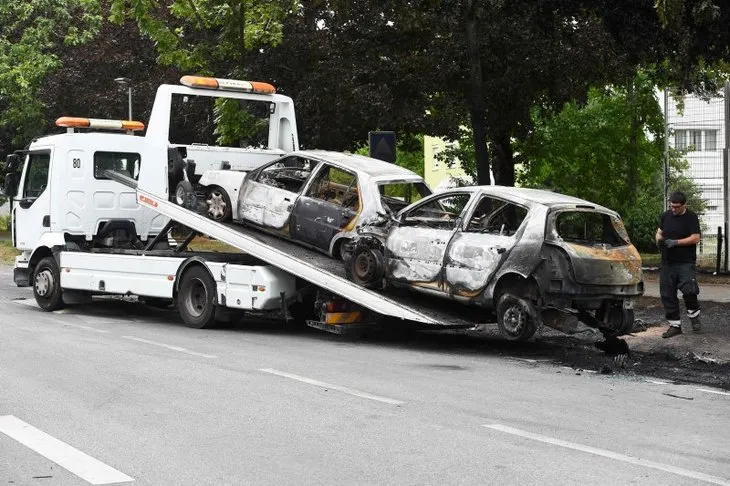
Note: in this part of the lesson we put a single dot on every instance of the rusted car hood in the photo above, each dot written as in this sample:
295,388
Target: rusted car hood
604,265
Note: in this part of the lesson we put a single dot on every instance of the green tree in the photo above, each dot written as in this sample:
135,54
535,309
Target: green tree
208,36
610,151
32,34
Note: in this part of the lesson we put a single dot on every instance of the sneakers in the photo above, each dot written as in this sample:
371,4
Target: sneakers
696,324
672,331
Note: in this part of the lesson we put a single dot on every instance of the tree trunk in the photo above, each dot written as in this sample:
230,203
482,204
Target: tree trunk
504,162
477,108
632,170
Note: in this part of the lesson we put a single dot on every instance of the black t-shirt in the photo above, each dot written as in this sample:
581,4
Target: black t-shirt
676,228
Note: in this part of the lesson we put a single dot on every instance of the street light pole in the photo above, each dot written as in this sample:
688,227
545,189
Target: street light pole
128,83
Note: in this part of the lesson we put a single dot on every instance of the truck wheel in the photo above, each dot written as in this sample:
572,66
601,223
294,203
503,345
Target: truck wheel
185,195
366,267
516,318
47,285
218,204
196,299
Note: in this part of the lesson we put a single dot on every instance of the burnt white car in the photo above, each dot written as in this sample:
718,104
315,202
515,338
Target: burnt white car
532,257
318,198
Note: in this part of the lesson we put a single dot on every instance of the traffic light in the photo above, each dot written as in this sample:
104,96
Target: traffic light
382,145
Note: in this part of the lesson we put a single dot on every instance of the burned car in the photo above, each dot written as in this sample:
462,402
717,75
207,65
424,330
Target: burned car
318,198
531,257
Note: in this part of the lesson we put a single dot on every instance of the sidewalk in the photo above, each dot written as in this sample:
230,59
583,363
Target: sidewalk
710,346
708,292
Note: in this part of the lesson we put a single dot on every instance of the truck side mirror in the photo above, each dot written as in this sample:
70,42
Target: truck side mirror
10,188
11,163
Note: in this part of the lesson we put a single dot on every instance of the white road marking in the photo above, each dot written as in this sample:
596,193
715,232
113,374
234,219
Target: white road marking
611,455
716,392
80,326
69,458
28,302
330,386
167,346
659,382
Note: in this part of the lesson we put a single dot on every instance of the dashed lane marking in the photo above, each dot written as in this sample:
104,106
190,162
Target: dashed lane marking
174,348
610,454
716,392
81,326
66,456
659,382
329,386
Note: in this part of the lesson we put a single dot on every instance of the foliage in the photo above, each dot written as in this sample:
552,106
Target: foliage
609,151
408,153
209,36
32,33
235,125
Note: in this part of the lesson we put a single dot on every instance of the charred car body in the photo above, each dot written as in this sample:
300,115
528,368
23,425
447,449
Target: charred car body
318,198
532,257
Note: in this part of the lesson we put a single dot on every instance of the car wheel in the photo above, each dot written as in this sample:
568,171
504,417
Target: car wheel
185,195
615,320
196,299
366,267
218,204
47,285
516,318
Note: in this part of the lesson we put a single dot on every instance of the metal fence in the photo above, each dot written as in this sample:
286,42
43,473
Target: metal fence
698,128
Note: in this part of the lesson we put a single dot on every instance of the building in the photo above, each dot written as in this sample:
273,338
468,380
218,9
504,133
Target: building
699,128
437,173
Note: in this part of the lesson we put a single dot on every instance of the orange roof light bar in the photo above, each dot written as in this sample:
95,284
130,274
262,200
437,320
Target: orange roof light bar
75,122
227,84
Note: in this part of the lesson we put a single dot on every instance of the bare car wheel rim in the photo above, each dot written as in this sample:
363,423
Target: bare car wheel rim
44,282
364,266
515,319
216,205
197,298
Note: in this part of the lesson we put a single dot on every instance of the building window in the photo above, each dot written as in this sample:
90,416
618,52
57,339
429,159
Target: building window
696,140
436,157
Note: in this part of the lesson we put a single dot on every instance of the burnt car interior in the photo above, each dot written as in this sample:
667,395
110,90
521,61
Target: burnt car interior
497,217
337,187
397,195
289,174
588,228
441,213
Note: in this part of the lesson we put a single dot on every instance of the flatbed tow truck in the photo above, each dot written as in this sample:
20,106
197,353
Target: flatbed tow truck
91,215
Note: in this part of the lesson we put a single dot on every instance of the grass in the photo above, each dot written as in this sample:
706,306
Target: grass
651,259
201,243
7,252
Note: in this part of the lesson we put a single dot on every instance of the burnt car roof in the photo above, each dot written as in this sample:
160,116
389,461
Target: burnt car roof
375,168
534,196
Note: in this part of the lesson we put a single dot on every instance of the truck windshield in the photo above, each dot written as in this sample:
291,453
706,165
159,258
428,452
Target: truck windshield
590,228
224,122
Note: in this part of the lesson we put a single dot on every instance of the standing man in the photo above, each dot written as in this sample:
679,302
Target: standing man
677,238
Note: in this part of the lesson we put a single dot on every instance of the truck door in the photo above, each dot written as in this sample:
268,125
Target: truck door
32,204
326,208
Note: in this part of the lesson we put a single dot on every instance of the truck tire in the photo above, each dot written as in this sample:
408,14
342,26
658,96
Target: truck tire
196,299
47,285
516,318
218,204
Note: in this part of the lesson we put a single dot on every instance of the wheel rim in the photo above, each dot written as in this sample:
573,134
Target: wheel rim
196,298
216,205
514,319
44,282
364,266
180,196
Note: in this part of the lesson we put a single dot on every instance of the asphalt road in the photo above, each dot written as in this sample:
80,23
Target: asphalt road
116,393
